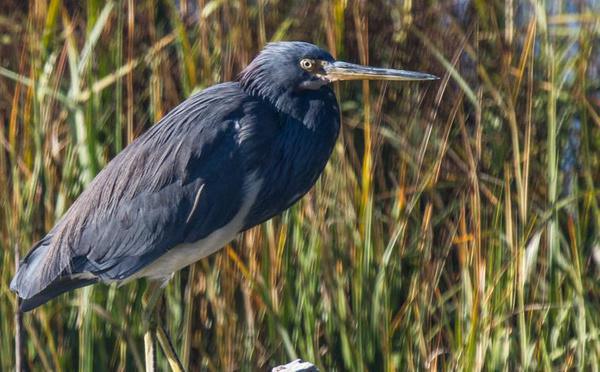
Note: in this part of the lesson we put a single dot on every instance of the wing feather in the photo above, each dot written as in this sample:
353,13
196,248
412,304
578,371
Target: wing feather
176,183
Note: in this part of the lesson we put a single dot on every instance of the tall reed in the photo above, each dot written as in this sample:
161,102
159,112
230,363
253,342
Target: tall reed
456,226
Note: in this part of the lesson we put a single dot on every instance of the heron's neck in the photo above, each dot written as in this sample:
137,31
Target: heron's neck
295,103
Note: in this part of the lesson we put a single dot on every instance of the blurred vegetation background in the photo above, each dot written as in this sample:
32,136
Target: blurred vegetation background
456,227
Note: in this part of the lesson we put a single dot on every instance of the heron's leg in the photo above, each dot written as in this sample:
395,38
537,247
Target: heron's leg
169,350
149,319
155,331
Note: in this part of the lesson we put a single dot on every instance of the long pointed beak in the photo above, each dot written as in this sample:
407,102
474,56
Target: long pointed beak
348,71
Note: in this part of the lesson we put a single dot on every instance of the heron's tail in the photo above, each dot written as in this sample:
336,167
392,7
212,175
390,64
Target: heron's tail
57,287
35,285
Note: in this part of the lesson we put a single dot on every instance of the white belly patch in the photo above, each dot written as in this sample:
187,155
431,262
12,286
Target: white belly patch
185,254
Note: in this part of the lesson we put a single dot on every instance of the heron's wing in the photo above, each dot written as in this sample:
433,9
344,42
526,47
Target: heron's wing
195,198
177,183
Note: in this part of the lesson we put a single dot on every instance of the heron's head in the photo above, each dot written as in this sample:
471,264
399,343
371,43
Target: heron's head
295,66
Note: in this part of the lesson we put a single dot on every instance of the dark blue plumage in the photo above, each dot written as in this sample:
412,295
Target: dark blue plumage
224,160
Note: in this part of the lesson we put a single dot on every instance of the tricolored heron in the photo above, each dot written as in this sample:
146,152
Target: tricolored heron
228,158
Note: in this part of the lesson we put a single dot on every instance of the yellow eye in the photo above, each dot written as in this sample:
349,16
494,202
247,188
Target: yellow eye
306,64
